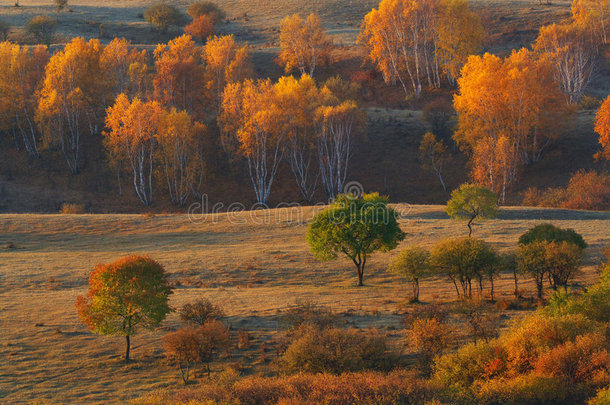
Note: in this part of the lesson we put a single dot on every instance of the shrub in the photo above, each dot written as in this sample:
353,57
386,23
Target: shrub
551,233
482,324
602,397
336,351
551,197
430,338
4,30
163,16
200,311
589,103
69,208
588,190
60,4
309,313
207,8
42,27
200,28
214,337
182,347
528,389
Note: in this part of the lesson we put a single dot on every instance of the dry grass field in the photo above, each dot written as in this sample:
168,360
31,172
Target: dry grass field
255,265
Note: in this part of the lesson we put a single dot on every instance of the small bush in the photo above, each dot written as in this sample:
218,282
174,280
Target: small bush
70,208
163,16
207,8
602,397
309,313
42,27
200,28
588,103
588,190
60,4
336,351
430,338
200,312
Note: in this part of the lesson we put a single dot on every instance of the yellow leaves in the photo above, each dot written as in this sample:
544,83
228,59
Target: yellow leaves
602,127
304,44
226,62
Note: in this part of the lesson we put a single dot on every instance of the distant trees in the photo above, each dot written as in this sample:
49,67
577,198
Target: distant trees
303,43
163,16
356,227
200,28
509,110
200,312
71,101
411,40
21,74
124,296
551,233
226,62
602,127
471,202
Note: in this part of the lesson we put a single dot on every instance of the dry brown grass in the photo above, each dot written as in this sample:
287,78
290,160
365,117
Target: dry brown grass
253,269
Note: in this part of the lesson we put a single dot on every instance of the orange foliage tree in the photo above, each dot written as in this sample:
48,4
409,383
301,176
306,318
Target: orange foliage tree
119,60
71,102
593,15
408,40
124,296
226,62
304,44
508,112
201,27
602,127
250,124
179,76
22,70
132,137
574,54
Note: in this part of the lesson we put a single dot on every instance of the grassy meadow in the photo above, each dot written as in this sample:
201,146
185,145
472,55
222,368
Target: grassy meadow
253,264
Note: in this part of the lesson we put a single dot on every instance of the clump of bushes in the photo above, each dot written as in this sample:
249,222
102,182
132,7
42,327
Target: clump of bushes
200,312
309,313
551,233
586,190
71,208
335,350
42,28
207,8
163,16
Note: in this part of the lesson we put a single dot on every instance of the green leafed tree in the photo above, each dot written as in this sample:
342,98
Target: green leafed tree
413,264
470,202
124,296
163,16
551,233
355,227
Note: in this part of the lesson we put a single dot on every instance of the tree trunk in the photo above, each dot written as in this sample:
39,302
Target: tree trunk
360,275
516,283
470,226
127,347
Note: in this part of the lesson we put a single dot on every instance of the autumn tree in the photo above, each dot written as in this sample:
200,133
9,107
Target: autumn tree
592,15
200,312
179,77
304,44
531,260
463,260
413,264
299,100
207,8
573,54
163,16
602,127
355,226
178,140
509,111
132,138
471,202
71,101
119,61
124,296
182,346
433,156
22,71
250,123
214,337
226,62
460,35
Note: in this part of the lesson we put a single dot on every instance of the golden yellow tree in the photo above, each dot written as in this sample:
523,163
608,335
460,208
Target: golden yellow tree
573,53
178,147
592,15
71,102
304,44
131,139
460,33
118,60
250,123
225,62
22,70
602,127
179,77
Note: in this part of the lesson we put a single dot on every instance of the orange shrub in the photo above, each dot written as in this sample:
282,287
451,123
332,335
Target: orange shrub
588,191
201,27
